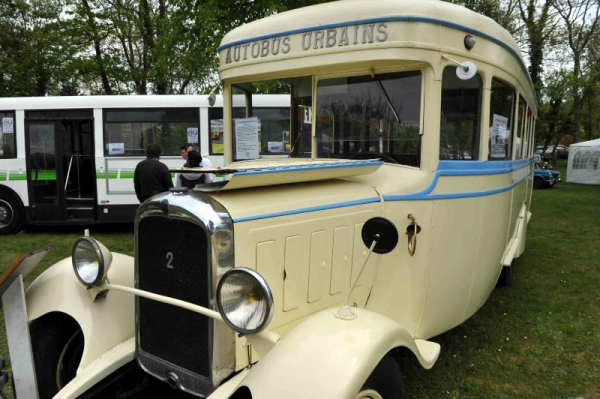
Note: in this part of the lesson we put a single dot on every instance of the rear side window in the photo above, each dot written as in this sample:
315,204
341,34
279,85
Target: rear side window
460,117
8,143
502,106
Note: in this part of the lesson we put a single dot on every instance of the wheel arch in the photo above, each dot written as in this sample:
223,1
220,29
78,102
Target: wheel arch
10,190
323,346
57,294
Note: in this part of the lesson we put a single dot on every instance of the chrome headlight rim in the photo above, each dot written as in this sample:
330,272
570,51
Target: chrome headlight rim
101,263
266,289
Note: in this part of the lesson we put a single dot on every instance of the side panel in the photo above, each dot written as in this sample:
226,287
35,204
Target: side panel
456,231
491,250
401,284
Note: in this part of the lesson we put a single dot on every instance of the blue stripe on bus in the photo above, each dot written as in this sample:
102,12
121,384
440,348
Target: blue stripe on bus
465,168
309,209
389,19
299,168
445,168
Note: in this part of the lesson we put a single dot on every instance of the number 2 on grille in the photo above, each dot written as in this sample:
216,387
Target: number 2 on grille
169,260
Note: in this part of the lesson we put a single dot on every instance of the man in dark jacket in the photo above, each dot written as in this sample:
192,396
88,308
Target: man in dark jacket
151,176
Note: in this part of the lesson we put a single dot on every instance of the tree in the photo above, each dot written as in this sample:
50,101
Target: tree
539,24
35,57
580,18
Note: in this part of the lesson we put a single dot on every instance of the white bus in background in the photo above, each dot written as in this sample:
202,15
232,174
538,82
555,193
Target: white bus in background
70,160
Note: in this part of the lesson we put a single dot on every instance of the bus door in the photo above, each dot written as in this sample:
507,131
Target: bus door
60,162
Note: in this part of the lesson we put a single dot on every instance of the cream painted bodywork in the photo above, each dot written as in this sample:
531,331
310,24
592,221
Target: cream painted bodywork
106,324
305,238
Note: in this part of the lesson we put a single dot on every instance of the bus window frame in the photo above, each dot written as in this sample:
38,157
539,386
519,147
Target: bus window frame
421,67
484,100
15,129
514,109
272,107
196,112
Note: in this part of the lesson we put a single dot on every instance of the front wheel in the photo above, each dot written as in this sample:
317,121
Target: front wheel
57,349
385,382
538,183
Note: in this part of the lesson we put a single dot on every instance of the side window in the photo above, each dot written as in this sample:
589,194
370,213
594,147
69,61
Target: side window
461,113
8,143
577,160
522,128
273,129
502,105
595,160
585,157
530,121
127,132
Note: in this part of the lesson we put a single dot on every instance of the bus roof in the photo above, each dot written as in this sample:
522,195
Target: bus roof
130,101
349,12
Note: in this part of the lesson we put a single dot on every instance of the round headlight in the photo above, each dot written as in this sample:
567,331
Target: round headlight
89,261
244,300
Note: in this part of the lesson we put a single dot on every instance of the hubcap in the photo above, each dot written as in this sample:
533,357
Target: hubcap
6,213
369,394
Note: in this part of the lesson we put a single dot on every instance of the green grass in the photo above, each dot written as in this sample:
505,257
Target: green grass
540,337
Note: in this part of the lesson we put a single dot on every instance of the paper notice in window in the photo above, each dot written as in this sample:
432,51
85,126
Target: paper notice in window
192,135
246,138
499,136
116,148
275,146
8,125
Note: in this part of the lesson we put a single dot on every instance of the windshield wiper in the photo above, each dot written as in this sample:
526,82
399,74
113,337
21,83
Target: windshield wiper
389,101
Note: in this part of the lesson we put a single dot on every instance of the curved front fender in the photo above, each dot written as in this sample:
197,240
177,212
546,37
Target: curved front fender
326,357
105,323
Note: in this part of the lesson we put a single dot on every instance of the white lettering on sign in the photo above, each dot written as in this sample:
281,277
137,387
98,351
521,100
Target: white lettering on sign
315,40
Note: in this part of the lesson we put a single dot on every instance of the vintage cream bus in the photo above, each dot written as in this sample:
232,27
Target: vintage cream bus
406,195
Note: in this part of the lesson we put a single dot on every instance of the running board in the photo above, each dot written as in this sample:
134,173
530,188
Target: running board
511,253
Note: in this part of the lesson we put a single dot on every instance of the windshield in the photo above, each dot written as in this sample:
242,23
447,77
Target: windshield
372,116
360,117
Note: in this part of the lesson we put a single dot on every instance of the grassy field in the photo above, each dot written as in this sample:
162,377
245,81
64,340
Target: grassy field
540,337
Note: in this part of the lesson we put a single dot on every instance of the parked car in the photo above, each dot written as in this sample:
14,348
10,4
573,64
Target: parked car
555,174
562,152
542,178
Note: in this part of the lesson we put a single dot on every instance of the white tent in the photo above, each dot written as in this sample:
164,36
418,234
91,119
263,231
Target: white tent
584,163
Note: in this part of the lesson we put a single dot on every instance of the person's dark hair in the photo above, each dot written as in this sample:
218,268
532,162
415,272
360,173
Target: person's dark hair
184,147
194,159
153,151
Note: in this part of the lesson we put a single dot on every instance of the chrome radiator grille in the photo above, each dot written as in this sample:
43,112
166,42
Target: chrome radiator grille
174,260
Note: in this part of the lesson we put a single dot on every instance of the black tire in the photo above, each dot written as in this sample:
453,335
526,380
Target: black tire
505,277
57,345
538,182
385,380
11,213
